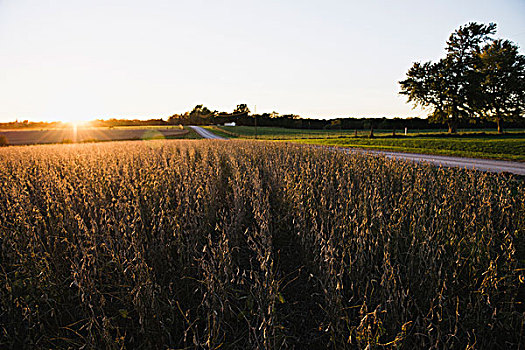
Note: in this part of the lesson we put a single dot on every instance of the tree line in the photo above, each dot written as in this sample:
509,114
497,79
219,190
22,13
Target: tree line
274,119
201,115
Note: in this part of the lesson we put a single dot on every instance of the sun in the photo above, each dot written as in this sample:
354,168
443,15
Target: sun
74,122
78,123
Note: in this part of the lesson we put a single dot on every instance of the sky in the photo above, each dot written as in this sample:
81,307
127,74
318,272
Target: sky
73,60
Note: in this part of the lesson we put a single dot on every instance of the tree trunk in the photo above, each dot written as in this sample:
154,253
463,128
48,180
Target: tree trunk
500,125
452,121
452,127
371,132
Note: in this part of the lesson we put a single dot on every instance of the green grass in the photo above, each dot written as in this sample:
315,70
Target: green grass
504,148
472,143
274,133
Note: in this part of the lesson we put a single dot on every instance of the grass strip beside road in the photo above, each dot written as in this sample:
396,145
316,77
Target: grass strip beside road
220,131
504,149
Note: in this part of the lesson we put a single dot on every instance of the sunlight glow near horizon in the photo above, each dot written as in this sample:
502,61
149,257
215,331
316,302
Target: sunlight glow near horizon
75,61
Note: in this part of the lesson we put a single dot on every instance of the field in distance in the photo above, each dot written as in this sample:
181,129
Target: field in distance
94,134
472,143
243,245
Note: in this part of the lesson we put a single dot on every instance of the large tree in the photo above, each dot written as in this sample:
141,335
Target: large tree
502,85
450,86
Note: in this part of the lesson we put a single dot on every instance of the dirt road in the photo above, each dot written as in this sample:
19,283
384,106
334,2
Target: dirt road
206,134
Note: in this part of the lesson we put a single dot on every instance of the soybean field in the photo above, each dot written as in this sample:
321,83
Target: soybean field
242,244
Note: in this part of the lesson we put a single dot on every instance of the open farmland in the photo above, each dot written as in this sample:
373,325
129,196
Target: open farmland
81,134
208,244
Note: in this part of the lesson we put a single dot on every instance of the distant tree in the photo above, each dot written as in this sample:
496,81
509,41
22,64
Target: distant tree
502,71
335,124
175,119
291,116
200,115
241,109
451,86
200,110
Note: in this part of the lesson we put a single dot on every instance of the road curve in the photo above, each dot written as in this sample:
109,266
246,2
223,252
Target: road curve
206,133
495,166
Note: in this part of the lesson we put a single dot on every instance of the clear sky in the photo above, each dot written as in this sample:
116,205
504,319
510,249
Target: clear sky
81,60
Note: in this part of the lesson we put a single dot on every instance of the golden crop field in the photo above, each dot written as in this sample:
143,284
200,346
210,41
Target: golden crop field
210,244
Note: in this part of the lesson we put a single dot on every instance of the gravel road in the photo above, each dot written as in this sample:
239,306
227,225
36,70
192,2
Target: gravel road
206,134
